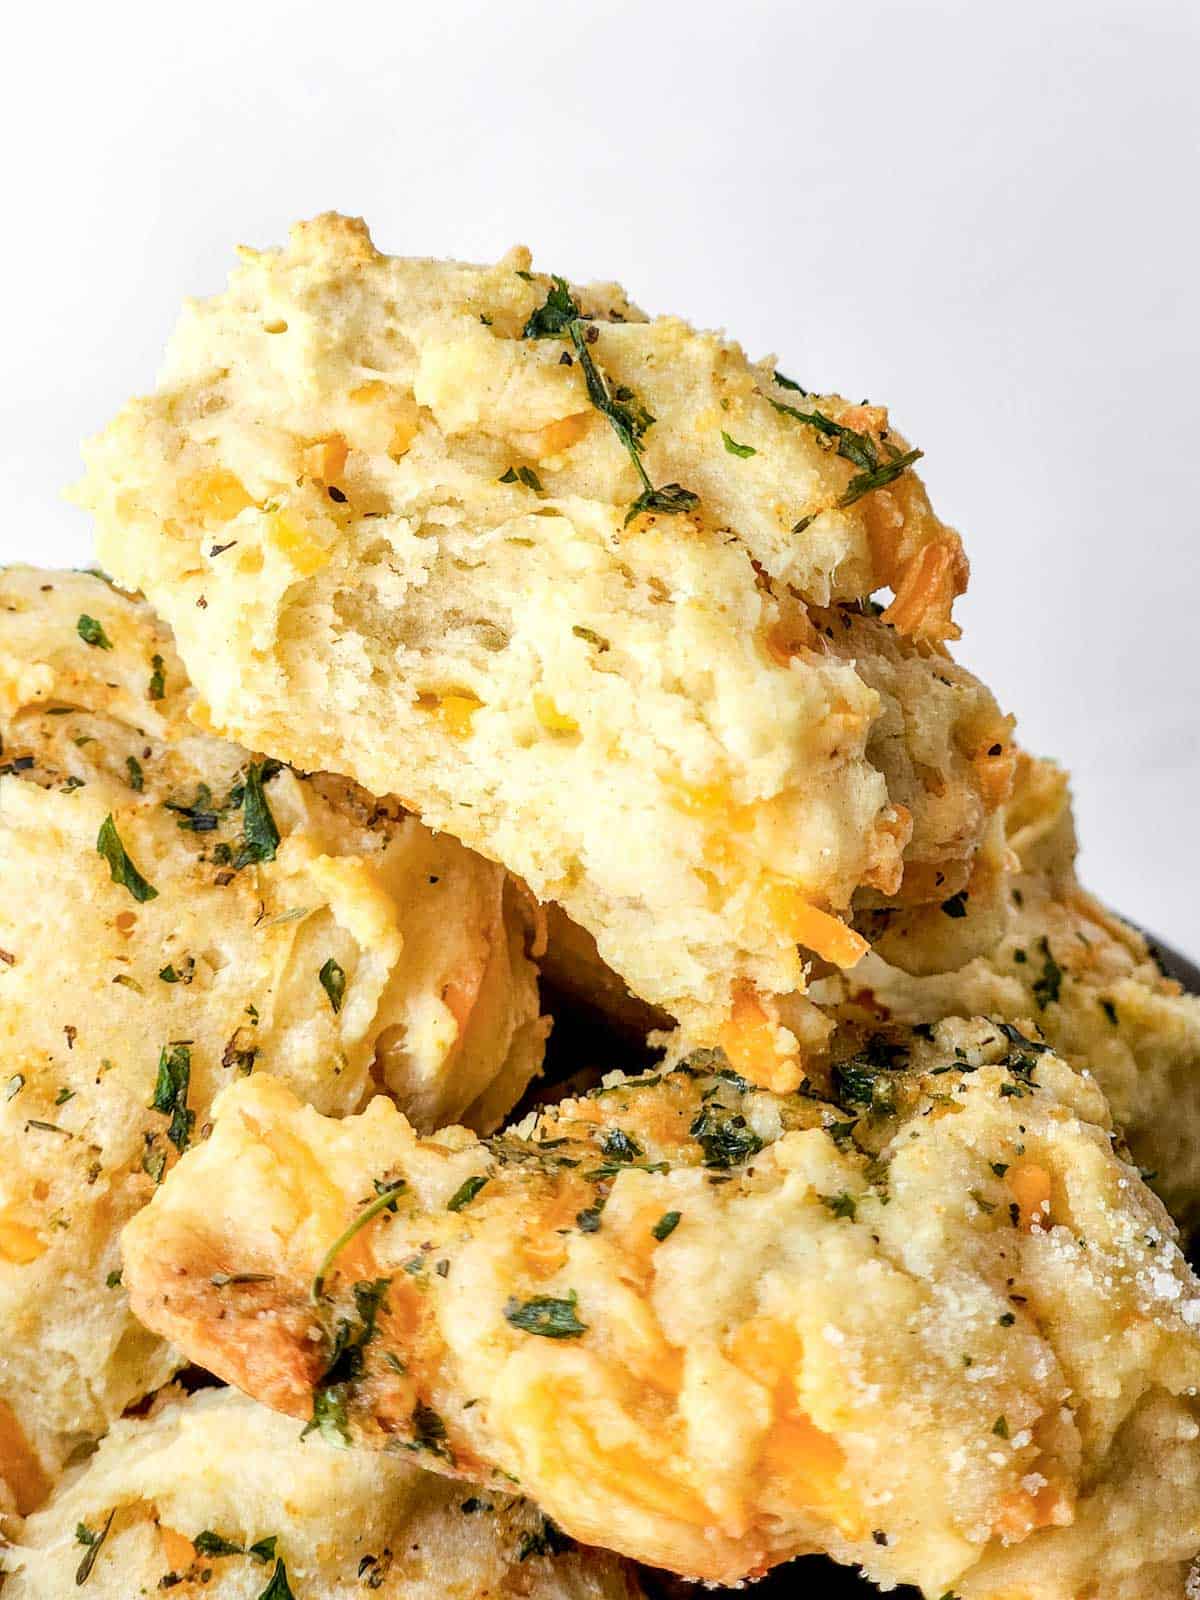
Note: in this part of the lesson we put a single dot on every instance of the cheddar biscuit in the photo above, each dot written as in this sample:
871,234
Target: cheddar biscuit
920,1315
546,569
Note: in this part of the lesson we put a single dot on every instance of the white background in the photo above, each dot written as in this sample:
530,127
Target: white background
984,214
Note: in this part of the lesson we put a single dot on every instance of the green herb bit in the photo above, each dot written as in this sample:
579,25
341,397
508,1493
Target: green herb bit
672,499
137,781
788,383
385,1200
465,1193
842,1205
1109,1010
260,836
956,906
736,449
1047,988
264,1549
546,1316
92,632
329,1417
508,477
108,845
208,1543
857,448
549,1540
725,1137
171,1091
666,1225
278,1588
93,1540
158,685
552,320
1000,1427
429,1431
588,1221
530,479
333,981
878,477
621,1147
113,1279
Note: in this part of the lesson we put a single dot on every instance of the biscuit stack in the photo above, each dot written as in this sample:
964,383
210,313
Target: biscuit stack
500,632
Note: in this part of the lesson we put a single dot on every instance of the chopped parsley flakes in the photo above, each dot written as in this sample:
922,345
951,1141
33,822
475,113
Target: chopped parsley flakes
1048,987
546,1316
278,1588
559,318
92,632
171,1091
385,1200
465,1193
666,1225
260,836
93,1540
108,845
333,981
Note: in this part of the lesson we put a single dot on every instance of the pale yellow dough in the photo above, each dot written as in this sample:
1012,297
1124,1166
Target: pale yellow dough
439,1002
346,1526
393,538
922,1316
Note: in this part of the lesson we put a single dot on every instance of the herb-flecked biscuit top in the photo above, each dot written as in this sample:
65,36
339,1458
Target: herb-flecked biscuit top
922,1315
544,568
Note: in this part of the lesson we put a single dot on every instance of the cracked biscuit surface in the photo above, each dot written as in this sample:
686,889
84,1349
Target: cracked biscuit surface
920,1316
550,571
175,913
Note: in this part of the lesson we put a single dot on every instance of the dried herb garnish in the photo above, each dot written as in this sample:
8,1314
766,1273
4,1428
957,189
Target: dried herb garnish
108,844
260,836
278,1588
158,686
666,1225
92,632
133,767
208,1543
465,1193
330,1397
333,981
1048,987
621,1147
725,1137
858,448
93,1540
171,1092
385,1200
736,449
560,317
548,1317
548,1540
